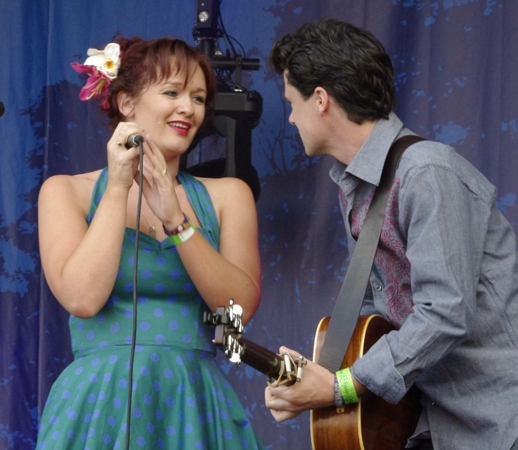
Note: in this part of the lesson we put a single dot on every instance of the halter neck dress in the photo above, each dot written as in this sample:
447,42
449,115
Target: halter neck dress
180,397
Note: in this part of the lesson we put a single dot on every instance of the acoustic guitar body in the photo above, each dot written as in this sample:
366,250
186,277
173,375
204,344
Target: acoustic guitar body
373,423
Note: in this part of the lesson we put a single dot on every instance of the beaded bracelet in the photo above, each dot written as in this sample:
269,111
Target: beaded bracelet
181,233
182,227
345,382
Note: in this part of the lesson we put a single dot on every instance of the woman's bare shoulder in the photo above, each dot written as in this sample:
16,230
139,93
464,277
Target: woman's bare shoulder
78,187
230,194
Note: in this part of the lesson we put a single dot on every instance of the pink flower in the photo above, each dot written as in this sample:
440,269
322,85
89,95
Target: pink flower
102,66
96,84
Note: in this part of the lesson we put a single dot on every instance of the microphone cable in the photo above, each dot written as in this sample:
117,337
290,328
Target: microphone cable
135,277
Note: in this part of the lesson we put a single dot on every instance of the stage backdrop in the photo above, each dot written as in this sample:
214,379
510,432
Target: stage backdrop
457,69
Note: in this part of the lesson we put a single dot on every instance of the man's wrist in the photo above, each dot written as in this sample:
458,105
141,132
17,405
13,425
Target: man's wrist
346,384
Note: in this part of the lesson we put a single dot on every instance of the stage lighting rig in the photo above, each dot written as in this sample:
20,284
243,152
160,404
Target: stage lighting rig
237,110
206,31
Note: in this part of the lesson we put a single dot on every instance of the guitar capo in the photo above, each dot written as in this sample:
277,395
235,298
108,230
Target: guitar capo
291,370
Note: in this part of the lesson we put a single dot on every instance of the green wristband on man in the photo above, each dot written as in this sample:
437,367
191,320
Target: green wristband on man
345,381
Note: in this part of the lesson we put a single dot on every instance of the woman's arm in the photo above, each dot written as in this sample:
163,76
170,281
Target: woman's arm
234,272
80,261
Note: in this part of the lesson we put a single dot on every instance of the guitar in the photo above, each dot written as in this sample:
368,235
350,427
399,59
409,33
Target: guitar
371,424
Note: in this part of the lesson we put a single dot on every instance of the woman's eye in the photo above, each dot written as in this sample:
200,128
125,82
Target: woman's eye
200,100
171,93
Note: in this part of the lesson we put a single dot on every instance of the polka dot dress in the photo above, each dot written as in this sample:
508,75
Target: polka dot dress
180,397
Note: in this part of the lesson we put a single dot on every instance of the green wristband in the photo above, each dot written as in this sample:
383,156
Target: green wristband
182,236
345,381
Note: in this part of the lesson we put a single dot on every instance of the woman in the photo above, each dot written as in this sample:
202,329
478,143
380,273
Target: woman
197,249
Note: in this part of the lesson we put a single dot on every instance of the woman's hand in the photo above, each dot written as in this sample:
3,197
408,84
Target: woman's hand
159,185
123,162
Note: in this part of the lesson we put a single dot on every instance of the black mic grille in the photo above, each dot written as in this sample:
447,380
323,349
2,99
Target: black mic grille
134,140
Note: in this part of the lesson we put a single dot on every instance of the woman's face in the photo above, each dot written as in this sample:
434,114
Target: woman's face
171,112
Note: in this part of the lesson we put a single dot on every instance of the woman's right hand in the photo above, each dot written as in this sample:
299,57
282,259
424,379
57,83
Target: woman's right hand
123,162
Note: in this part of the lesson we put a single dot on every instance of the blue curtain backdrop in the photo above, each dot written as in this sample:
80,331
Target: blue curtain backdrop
457,70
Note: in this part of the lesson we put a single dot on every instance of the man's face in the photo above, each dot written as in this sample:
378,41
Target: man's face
305,116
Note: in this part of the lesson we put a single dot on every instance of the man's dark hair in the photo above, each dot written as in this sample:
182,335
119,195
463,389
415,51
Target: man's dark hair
347,61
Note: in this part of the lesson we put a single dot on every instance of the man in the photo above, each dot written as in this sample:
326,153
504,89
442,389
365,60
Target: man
445,272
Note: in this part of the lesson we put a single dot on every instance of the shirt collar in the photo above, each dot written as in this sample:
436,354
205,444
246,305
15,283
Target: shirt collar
368,162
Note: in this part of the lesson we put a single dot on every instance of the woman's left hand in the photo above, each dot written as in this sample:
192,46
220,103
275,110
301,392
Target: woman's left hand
159,186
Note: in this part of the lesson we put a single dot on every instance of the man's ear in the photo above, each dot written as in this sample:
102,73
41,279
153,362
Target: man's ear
323,100
126,104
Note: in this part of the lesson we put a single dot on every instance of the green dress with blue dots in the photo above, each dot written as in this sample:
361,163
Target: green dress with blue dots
181,398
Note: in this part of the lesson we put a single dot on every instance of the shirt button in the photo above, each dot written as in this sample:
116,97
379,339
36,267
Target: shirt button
378,287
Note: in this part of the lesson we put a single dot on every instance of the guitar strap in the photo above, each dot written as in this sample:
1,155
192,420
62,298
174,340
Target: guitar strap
350,298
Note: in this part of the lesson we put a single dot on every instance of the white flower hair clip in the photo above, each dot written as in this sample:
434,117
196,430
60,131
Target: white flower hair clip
102,66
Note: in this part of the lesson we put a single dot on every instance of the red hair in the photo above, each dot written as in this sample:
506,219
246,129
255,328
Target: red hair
144,62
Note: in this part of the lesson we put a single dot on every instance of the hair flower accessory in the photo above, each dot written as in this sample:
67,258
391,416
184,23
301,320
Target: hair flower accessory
102,67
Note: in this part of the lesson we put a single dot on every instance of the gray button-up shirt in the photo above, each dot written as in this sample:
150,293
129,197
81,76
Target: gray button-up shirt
446,276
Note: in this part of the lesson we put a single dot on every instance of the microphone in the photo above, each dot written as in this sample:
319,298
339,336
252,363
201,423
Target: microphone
134,140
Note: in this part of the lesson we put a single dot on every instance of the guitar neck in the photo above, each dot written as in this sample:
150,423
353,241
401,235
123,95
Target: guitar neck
228,336
261,359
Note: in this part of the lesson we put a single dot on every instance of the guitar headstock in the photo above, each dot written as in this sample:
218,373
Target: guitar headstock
283,369
229,328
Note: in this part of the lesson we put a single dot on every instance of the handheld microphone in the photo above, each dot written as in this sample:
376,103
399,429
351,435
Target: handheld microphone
134,140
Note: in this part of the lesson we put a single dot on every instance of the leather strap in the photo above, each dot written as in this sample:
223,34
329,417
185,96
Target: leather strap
348,304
